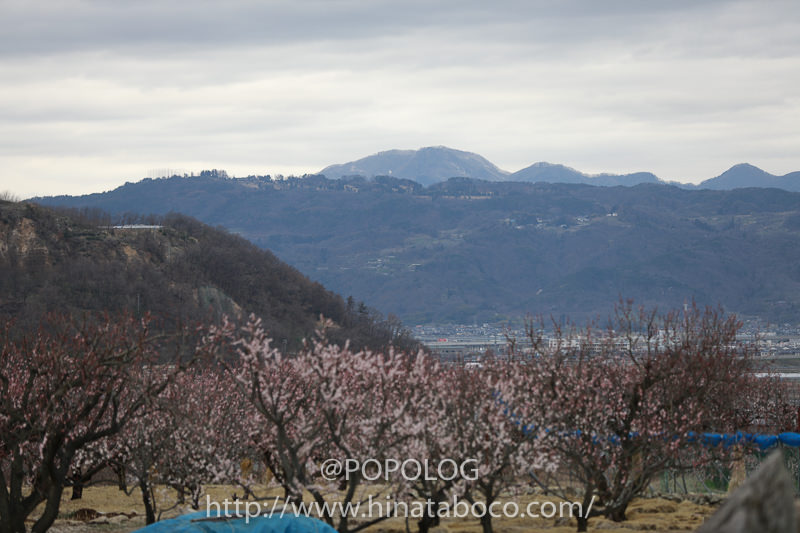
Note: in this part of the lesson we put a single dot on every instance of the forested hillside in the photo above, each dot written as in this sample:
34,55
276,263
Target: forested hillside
178,269
468,250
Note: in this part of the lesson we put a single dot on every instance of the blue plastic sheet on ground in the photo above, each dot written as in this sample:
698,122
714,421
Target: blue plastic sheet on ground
198,523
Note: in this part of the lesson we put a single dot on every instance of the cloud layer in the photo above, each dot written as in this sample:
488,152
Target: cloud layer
96,93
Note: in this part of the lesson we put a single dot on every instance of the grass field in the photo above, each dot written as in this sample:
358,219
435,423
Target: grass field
106,509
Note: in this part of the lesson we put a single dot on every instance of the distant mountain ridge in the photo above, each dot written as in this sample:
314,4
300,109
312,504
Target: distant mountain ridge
550,173
436,164
425,166
468,250
746,175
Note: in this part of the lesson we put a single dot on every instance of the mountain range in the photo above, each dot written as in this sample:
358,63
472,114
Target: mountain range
438,163
468,250
426,166
745,175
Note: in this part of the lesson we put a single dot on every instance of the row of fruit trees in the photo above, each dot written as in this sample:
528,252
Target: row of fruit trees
614,407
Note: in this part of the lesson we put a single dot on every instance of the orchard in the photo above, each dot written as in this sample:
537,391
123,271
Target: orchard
613,406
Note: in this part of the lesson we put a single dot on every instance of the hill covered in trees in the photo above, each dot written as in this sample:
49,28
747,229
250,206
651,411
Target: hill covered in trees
469,250
174,267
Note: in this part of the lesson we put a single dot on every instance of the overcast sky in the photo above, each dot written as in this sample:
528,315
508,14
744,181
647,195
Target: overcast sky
96,93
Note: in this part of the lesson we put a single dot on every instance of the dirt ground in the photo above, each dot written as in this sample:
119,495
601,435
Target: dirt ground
105,509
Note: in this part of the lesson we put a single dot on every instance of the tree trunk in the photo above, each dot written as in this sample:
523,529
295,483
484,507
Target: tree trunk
586,508
617,512
13,510
343,523
149,510
77,490
15,524
426,523
432,519
486,521
196,492
122,484
50,509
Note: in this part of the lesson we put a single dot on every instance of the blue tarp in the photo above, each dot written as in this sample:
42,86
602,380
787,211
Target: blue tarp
790,439
764,442
195,523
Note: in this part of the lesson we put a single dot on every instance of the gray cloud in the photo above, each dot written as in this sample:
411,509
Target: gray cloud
97,92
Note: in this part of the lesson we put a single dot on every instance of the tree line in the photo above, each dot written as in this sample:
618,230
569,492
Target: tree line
613,406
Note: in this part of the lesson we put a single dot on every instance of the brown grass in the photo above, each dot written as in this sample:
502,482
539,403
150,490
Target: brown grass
654,514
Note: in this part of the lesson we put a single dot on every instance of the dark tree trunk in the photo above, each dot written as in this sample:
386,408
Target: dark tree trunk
77,491
15,525
429,520
432,520
426,523
586,508
121,483
617,512
50,509
149,510
195,496
290,496
486,522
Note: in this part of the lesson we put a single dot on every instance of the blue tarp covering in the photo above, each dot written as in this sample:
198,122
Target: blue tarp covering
194,523
765,441
790,439
706,439
762,441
